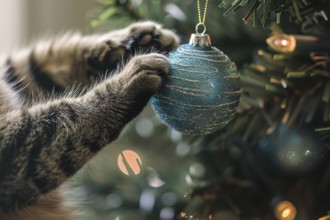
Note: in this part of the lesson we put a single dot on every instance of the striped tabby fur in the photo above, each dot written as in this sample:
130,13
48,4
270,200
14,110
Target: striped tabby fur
44,143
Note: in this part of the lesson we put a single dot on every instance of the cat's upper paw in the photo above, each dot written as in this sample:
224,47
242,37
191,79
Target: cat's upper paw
150,36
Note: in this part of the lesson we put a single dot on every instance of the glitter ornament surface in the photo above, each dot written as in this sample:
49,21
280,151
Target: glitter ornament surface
202,91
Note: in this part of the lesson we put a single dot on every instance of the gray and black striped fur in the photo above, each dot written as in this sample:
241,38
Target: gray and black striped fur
44,143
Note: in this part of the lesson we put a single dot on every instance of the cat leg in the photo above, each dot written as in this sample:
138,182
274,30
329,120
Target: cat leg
54,65
44,145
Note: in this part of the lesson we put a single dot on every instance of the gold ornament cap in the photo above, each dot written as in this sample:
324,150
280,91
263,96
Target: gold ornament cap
200,40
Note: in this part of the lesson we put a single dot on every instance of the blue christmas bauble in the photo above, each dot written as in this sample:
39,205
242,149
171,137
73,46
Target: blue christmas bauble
202,91
294,150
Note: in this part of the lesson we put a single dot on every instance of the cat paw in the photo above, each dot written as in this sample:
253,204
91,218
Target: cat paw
142,37
143,75
104,55
150,36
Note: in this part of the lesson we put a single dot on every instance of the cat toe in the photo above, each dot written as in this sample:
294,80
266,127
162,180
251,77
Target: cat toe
150,36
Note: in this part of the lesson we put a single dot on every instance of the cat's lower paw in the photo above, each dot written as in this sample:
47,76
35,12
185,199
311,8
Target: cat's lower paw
144,73
148,36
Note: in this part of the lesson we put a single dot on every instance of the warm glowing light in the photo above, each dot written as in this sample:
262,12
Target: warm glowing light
285,210
282,43
325,218
286,213
260,52
285,42
129,162
183,214
259,67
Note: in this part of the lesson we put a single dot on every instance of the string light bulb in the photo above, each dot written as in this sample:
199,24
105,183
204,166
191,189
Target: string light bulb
285,210
282,43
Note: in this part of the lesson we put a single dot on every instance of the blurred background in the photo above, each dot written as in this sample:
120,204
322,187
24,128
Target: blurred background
23,20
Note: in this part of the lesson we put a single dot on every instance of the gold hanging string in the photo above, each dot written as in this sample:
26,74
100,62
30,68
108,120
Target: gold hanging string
200,19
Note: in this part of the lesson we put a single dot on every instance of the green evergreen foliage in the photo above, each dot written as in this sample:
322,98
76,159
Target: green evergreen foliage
269,11
276,148
230,34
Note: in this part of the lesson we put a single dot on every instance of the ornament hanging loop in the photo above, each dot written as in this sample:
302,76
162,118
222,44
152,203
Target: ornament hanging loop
199,26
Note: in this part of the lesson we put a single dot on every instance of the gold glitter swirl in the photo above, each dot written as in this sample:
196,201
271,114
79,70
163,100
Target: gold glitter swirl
232,76
205,59
189,91
189,80
171,101
238,92
196,69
